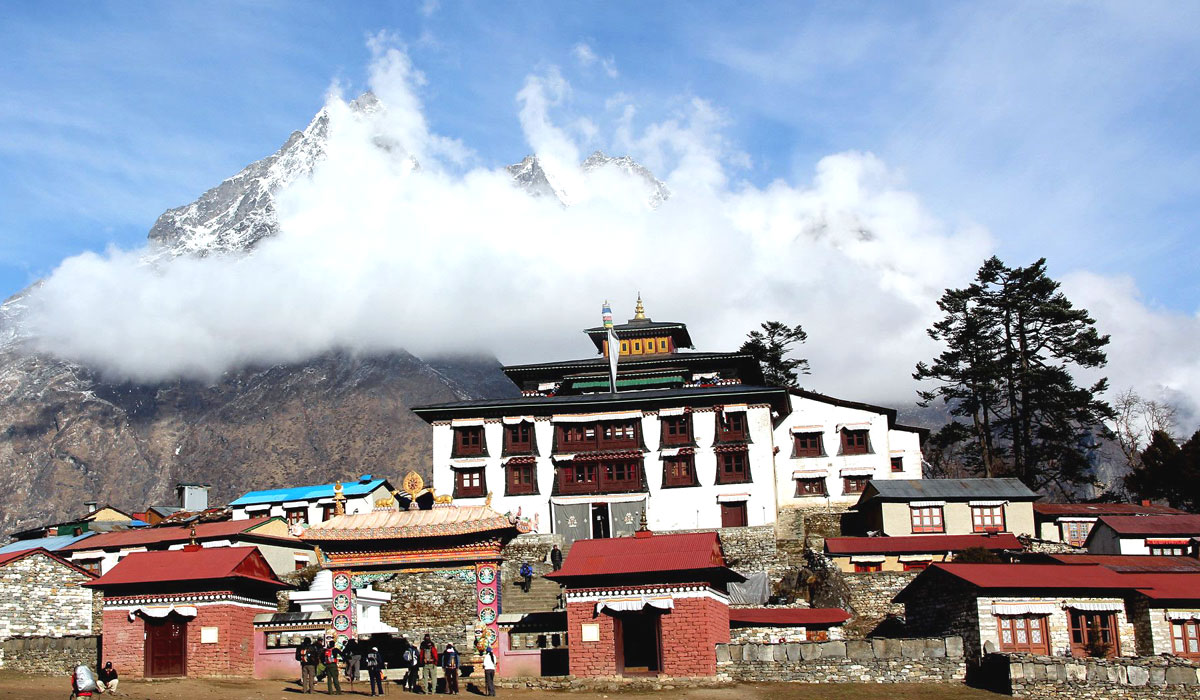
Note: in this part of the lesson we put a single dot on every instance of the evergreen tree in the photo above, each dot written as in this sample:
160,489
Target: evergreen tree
1012,340
771,347
1168,472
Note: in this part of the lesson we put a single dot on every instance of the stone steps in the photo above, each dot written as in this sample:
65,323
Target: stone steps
542,596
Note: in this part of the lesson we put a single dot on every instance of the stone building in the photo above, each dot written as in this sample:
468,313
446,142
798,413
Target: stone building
1157,535
909,553
1071,523
186,612
646,605
946,507
43,596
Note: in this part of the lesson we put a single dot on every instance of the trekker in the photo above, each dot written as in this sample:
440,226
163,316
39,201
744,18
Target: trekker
374,666
106,679
489,672
428,657
352,653
333,655
82,682
309,655
556,558
408,662
450,669
526,576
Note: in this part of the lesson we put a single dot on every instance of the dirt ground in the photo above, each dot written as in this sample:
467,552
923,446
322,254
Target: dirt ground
37,687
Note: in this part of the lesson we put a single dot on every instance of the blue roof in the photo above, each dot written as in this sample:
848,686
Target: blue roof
308,493
50,544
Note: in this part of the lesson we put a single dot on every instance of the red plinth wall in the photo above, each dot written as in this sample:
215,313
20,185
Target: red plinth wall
231,655
690,633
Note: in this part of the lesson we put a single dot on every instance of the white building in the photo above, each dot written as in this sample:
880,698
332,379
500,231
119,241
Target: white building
1159,535
302,506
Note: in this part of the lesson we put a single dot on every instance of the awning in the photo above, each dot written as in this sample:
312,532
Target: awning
594,417
732,497
295,504
1168,543
513,420
916,557
734,408
157,611
1023,609
672,411
869,558
1183,614
592,498
468,463
635,604
671,451
927,504
257,506
807,429
986,504
858,471
466,422
1096,606
852,426
809,473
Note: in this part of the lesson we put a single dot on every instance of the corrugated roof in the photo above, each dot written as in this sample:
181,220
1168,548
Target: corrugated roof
308,493
946,489
1045,576
620,556
1168,586
788,616
436,522
50,544
1132,563
1086,509
560,404
168,535
199,564
1182,525
920,544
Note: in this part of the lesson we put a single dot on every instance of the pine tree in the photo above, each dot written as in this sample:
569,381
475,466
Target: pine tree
771,347
1012,341
1168,472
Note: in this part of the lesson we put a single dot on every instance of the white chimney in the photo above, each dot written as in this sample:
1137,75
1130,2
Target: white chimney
193,497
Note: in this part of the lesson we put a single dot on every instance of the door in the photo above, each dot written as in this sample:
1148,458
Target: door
733,514
626,517
166,647
1094,634
573,522
639,640
600,524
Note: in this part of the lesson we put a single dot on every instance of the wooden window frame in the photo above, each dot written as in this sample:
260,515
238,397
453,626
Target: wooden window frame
733,476
296,516
585,477
802,446
1072,538
818,487
927,520
327,511
677,430
1184,632
982,515
679,471
464,446
916,565
514,482
462,486
727,432
897,464
735,507
516,446
1168,551
1080,631
861,481
851,443
1029,626
595,437
867,567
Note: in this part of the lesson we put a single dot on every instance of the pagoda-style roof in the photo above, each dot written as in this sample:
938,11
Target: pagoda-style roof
731,365
439,521
642,328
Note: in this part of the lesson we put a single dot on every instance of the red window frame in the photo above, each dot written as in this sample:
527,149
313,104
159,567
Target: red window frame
987,518
1075,533
470,483
854,484
897,464
521,479
733,467
518,438
731,427
468,441
927,519
1023,633
677,430
1185,638
679,471
867,567
1085,624
916,565
592,437
811,487
807,444
854,442
327,511
600,476
734,514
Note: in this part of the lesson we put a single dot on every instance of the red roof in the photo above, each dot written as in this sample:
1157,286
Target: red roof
1132,563
1087,509
645,553
788,616
1055,576
9,557
191,564
1168,586
919,544
145,536
1182,525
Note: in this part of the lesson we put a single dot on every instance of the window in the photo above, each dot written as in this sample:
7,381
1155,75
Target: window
1075,533
296,516
1025,633
927,519
810,487
854,442
916,565
1162,551
733,514
679,471
468,483
808,444
590,437
1094,634
677,430
866,567
327,511
576,476
662,345
987,518
301,562
468,442
518,439
854,484
897,464
732,467
1185,638
731,427
92,565
637,346
521,478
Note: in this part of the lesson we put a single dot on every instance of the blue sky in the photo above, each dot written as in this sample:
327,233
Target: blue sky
1069,130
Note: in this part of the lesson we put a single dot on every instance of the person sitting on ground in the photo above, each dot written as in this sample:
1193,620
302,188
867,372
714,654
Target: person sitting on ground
106,679
450,669
526,576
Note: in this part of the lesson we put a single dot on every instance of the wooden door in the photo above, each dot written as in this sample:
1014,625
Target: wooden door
166,647
733,514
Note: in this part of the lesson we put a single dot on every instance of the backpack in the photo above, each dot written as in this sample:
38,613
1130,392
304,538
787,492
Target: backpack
451,660
84,680
311,656
409,656
526,570
331,655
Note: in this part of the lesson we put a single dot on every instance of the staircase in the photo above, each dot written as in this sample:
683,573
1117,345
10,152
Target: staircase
542,596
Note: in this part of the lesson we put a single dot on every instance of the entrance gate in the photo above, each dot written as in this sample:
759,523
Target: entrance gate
639,642
166,647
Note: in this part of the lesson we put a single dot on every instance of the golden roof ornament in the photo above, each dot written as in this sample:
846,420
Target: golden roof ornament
413,484
192,534
639,312
339,499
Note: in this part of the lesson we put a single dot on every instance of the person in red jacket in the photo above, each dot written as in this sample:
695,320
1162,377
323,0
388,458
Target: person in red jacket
428,658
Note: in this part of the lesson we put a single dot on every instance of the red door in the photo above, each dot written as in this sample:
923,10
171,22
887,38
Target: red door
166,647
733,514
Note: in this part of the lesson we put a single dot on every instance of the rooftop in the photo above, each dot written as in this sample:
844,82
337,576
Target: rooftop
50,544
920,544
1132,563
1183,525
1086,509
362,487
171,535
646,553
190,564
783,617
10,557
391,524
1026,576
946,489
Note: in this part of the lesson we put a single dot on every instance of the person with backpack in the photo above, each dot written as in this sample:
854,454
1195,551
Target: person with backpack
408,661
352,653
450,669
526,575
427,656
489,671
374,665
332,676
83,683
309,657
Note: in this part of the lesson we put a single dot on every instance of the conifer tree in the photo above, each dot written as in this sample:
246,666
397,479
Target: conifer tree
771,347
1168,472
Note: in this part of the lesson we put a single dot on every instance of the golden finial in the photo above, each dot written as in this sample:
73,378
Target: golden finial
639,312
488,502
339,500
192,533
413,484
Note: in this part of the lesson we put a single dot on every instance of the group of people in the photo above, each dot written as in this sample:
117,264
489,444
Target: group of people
420,662
84,683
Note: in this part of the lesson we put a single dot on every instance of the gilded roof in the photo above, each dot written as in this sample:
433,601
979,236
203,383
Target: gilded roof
436,522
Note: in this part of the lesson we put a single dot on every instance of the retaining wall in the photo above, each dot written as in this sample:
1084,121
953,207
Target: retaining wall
856,661
1052,677
49,656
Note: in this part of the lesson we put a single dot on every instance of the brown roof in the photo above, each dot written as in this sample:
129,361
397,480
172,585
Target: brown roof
391,524
1178,525
145,536
10,557
1097,509
1132,563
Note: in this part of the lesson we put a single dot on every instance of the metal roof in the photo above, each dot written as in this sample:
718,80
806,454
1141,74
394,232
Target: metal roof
1182,525
646,553
190,564
174,534
1086,509
1132,563
946,489
781,617
308,493
50,544
920,544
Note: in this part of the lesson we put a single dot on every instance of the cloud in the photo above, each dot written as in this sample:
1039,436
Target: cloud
587,58
374,254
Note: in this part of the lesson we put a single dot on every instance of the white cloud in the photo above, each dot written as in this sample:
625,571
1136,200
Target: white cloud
587,58
376,255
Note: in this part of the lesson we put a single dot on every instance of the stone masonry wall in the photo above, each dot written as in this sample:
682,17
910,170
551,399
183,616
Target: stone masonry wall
440,603
765,634
860,661
49,656
40,597
1051,677
871,597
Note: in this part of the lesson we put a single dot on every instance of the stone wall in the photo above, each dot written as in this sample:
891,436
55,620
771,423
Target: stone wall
41,597
49,656
440,603
871,597
858,661
765,634
1053,677
531,547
